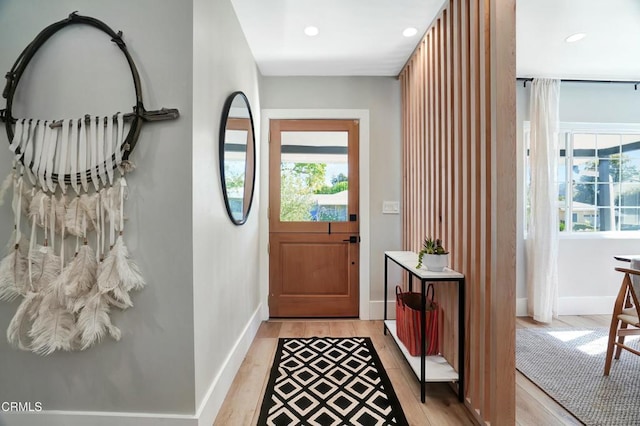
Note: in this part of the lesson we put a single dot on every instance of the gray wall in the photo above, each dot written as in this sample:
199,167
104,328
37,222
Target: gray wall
225,264
585,262
80,71
381,96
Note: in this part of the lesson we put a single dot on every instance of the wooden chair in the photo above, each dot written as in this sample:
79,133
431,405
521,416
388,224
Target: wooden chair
626,312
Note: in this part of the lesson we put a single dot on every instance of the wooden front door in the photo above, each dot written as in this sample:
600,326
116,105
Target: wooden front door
313,218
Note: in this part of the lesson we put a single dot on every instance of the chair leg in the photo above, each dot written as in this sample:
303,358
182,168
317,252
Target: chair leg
620,341
612,335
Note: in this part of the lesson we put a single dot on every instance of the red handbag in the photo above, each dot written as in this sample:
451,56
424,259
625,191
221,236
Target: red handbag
408,324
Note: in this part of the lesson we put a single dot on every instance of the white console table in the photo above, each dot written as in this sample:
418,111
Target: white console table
428,368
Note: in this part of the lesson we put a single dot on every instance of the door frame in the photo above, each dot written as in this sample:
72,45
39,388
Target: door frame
340,114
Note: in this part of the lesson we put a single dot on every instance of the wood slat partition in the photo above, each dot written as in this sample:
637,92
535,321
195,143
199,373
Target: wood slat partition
459,174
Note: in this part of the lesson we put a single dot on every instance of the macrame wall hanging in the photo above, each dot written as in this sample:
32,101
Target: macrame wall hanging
67,261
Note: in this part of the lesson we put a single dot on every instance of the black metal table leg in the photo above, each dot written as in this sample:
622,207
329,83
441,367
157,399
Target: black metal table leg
423,320
461,338
384,326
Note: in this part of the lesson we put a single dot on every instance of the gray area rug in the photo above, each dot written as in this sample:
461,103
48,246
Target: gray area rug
568,364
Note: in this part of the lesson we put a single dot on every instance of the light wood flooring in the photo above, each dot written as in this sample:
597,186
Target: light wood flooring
241,406
534,407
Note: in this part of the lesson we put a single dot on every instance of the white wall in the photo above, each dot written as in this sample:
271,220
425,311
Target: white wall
225,263
80,71
588,282
381,96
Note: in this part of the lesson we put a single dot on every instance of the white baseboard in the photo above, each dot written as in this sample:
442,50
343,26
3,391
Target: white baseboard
95,418
205,416
521,307
213,399
592,305
586,305
376,309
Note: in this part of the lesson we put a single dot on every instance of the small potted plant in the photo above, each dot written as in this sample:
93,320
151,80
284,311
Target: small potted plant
435,257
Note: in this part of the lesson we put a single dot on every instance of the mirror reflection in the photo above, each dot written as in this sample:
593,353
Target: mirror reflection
237,157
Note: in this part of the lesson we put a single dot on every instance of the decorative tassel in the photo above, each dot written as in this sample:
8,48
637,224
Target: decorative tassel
26,312
13,268
45,268
118,270
39,208
27,196
77,279
54,328
61,212
23,244
79,208
94,322
13,272
6,184
127,166
122,305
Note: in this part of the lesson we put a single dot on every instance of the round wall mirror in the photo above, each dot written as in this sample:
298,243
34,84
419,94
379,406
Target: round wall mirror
237,157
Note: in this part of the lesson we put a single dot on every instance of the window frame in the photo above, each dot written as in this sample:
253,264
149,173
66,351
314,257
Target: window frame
566,130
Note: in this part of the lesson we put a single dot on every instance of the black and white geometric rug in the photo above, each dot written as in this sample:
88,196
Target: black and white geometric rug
328,381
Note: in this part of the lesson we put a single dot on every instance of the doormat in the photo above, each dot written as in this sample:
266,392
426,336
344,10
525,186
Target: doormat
568,365
329,381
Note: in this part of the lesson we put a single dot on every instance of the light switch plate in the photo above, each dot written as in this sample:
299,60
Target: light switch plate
390,207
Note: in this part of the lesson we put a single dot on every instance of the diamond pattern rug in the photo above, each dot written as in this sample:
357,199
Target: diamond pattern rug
327,381
568,365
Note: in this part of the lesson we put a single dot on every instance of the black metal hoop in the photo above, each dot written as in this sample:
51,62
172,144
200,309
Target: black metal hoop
139,112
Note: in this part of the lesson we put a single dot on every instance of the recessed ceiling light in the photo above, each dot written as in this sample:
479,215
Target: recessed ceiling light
409,32
575,37
311,31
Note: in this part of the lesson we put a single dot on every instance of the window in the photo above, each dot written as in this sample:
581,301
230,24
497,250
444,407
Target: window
598,177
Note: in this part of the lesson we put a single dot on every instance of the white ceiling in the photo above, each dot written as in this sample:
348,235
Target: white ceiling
357,37
610,51
364,37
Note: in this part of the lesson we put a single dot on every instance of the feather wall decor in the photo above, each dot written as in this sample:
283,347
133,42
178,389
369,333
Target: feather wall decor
23,319
13,270
6,184
94,321
66,301
54,328
14,267
77,279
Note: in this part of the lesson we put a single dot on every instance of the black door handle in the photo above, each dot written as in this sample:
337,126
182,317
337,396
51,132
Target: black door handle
353,239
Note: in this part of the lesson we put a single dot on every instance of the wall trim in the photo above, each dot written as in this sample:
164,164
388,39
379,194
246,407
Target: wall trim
521,307
206,414
213,399
590,305
365,245
376,309
95,418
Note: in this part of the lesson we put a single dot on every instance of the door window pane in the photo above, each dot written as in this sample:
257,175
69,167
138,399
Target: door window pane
314,176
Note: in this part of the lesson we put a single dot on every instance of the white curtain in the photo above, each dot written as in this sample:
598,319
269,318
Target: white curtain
542,233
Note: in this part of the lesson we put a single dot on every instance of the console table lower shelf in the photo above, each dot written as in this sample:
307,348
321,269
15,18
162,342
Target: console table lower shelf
437,369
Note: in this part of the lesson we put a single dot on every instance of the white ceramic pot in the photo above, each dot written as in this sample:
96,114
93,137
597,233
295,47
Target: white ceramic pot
435,262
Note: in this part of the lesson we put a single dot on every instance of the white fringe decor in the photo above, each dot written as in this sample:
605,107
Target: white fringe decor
65,301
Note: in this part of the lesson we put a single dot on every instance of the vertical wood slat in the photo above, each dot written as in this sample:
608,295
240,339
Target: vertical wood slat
435,77
419,148
472,382
431,230
503,203
455,102
477,371
458,133
485,184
